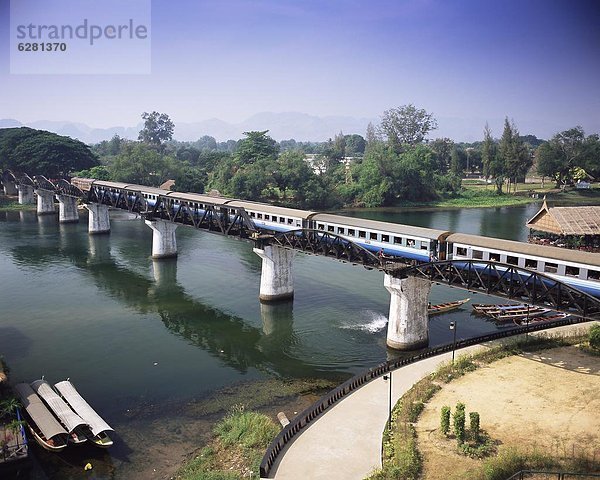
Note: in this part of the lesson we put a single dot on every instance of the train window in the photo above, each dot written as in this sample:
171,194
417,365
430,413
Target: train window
495,257
593,275
341,230
424,245
398,240
373,236
462,251
362,234
512,260
385,238
550,267
320,226
252,214
298,223
330,228
352,232
572,271
290,221
267,216
410,243
281,219
530,263
478,254
259,215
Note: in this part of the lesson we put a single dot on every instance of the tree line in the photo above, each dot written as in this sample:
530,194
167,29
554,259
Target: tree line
391,163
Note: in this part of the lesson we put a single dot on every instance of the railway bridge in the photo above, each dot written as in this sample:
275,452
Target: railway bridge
408,280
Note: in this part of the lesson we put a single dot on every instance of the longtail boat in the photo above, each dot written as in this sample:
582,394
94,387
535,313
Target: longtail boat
98,427
44,427
548,318
446,307
531,312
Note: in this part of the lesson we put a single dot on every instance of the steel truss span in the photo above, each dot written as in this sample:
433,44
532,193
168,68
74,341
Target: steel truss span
509,281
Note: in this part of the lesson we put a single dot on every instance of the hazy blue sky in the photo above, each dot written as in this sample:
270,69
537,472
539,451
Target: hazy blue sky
537,61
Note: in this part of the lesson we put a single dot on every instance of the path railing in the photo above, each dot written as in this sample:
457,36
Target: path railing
302,420
525,474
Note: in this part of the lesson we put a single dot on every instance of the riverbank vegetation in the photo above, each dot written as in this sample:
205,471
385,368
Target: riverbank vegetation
402,457
8,204
235,452
391,165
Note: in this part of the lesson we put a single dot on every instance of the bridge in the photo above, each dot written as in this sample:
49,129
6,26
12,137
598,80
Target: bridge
409,281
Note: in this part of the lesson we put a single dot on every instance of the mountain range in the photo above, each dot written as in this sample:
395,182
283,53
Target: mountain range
285,125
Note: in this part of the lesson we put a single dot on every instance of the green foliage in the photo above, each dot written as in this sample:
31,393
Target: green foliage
474,429
158,128
445,420
99,172
143,165
246,428
406,125
190,179
458,423
256,146
38,152
594,337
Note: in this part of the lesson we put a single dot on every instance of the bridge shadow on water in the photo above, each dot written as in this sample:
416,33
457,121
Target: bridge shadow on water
226,337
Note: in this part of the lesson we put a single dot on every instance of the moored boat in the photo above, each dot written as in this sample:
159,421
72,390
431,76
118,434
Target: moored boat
446,307
487,309
42,424
531,312
548,318
73,423
99,429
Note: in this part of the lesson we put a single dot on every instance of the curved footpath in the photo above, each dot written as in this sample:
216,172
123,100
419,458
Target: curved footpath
345,442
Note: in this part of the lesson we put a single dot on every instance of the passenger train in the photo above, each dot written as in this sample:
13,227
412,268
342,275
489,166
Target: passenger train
576,268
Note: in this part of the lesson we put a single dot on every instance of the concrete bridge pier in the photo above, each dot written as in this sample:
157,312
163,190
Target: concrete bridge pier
25,194
98,218
10,188
67,209
45,202
276,279
164,242
407,326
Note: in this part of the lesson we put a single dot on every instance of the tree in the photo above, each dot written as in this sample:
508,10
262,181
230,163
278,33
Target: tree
355,144
406,125
256,146
492,164
513,153
158,128
371,135
38,152
565,151
190,179
143,165
442,148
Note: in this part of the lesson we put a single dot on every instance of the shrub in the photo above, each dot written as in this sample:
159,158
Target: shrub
595,337
474,425
445,420
458,420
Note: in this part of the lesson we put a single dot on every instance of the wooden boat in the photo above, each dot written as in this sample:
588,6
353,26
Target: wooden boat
531,312
548,318
72,422
98,427
44,427
446,307
487,309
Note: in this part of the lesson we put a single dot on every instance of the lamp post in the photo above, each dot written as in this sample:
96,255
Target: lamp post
453,328
386,378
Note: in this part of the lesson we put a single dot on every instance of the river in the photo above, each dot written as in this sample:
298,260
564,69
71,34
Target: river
136,335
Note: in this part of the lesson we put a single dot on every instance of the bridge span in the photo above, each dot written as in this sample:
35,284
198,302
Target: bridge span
411,258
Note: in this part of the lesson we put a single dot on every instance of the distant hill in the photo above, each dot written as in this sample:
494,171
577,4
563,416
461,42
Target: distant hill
287,125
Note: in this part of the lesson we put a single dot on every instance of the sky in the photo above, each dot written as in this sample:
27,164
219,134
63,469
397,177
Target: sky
535,61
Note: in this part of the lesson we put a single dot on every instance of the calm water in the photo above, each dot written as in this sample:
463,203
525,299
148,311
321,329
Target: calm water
131,332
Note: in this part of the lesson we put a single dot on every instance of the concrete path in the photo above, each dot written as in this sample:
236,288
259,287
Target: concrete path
345,442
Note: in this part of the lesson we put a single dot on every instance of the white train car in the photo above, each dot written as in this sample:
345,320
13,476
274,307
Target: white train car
393,239
576,268
276,219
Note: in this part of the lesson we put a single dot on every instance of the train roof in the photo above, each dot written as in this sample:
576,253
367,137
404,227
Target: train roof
382,226
556,253
198,197
272,209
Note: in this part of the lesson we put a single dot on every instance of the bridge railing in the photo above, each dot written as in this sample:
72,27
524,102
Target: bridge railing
311,413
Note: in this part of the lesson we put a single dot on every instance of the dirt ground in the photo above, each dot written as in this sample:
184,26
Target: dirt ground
547,400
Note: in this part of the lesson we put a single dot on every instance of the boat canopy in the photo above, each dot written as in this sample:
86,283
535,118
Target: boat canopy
67,416
38,412
82,408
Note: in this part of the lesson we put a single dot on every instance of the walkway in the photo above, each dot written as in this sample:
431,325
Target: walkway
345,442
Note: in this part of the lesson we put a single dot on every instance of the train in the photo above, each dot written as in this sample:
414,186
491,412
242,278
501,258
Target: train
573,267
